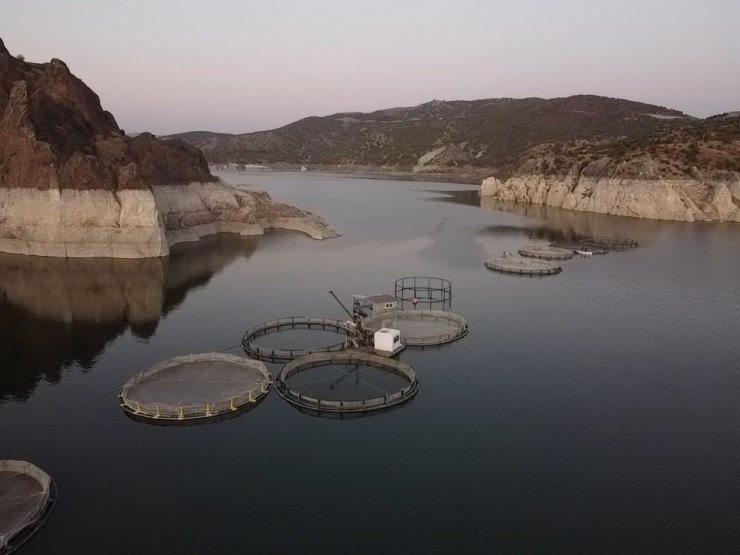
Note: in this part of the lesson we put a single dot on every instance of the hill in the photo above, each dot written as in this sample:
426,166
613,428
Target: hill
473,138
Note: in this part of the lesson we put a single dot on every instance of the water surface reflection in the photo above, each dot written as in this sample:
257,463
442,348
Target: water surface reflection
56,313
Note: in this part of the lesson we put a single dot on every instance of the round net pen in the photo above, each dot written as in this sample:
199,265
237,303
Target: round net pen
420,328
612,243
546,252
576,246
195,388
318,405
521,266
430,292
28,495
269,354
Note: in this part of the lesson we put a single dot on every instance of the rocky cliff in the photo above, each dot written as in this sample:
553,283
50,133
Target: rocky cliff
72,184
609,186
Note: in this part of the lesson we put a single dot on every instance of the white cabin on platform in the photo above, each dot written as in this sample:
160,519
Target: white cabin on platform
387,341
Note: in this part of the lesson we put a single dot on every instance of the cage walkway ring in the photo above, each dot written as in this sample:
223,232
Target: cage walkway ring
521,266
294,323
546,252
346,406
449,326
196,387
28,496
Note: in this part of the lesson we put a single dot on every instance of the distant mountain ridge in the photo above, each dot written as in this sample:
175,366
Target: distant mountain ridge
475,137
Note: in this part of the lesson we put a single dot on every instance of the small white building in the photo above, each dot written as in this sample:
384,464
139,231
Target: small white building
387,341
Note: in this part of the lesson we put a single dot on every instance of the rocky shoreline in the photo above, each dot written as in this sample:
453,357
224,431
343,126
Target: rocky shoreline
73,184
139,223
647,196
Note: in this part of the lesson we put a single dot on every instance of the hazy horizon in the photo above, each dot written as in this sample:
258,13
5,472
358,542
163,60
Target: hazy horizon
236,67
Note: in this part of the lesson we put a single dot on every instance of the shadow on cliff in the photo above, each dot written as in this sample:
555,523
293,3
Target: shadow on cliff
57,313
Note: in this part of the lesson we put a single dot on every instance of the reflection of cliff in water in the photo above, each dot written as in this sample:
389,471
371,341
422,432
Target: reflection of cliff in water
55,313
558,224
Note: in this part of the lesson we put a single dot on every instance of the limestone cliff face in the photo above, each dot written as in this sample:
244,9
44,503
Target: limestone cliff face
603,187
72,184
192,211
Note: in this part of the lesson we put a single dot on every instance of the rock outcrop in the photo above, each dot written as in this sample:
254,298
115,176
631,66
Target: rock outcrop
72,184
604,187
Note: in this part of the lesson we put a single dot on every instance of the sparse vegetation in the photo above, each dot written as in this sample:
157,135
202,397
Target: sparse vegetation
494,136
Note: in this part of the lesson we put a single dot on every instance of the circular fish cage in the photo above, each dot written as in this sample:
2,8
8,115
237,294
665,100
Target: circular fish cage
28,496
325,370
269,354
546,252
612,243
521,266
430,292
195,388
580,246
420,328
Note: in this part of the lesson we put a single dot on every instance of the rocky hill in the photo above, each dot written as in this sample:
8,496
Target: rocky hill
686,172
629,158
73,184
461,137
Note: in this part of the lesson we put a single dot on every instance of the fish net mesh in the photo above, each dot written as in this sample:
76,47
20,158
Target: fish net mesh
24,494
195,386
329,382
420,327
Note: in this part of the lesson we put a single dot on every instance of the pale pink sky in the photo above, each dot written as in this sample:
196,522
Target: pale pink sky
235,66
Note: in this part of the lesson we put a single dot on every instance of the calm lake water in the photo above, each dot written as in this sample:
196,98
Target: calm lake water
597,411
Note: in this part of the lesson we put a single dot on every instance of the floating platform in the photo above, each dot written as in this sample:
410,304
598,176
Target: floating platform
195,388
420,328
546,252
346,328
28,496
323,406
521,266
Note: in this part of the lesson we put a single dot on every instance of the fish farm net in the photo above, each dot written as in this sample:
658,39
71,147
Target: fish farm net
420,328
424,291
521,266
598,245
546,252
346,382
613,243
258,345
27,496
580,246
195,387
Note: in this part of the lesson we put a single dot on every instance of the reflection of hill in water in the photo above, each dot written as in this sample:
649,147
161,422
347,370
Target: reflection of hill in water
55,312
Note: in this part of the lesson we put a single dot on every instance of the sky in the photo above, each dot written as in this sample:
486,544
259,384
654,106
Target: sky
236,66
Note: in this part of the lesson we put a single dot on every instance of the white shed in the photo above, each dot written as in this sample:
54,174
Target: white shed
388,341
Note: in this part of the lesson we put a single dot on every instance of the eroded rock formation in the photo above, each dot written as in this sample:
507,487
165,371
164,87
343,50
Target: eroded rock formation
603,186
72,184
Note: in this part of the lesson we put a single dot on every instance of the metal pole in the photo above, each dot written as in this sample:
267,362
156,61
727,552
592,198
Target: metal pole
342,305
